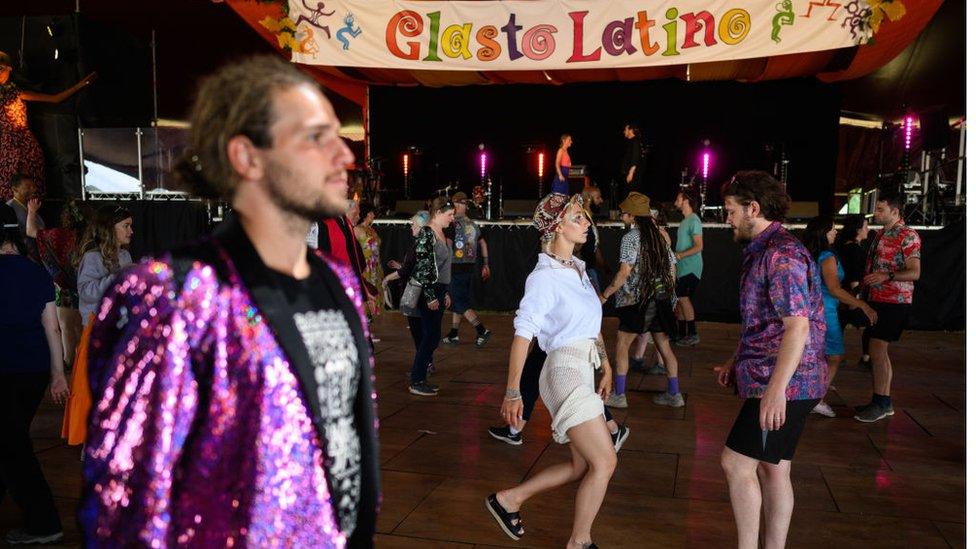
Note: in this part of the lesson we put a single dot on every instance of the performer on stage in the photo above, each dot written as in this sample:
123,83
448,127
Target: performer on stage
561,309
779,367
632,165
234,401
19,150
560,181
894,264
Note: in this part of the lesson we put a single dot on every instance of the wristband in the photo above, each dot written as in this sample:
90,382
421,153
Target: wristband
513,394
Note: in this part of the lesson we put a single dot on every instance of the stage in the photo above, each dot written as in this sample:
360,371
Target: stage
939,302
513,246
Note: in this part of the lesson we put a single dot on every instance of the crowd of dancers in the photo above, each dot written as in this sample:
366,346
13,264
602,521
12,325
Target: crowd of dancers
253,346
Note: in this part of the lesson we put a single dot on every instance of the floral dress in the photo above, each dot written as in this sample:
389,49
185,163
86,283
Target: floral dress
369,241
57,246
19,150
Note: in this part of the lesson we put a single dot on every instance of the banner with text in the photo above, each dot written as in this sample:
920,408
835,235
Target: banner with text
568,34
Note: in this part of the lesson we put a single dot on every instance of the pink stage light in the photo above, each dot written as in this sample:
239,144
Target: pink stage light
542,163
706,158
406,165
484,163
909,128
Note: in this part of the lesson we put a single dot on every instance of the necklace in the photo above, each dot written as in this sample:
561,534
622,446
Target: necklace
568,262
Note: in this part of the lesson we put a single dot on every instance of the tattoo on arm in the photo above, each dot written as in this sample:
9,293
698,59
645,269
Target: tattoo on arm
601,350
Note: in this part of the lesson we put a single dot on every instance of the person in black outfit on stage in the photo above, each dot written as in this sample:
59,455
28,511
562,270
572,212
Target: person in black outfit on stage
632,165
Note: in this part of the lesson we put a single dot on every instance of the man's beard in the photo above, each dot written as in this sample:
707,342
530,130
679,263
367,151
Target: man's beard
289,195
743,233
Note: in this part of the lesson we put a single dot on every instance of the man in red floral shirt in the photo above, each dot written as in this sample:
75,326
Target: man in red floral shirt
894,264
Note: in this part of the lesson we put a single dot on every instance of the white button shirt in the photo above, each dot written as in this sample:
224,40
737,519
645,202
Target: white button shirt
558,306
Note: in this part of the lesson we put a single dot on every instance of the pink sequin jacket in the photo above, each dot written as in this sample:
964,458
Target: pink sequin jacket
200,433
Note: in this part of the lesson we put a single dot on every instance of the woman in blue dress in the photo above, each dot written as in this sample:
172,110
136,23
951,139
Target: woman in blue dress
819,239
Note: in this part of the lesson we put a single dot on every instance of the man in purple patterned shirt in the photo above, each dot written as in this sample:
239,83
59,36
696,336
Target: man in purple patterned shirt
779,367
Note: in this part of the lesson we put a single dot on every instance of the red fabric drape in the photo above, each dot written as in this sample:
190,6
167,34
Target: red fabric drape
891,39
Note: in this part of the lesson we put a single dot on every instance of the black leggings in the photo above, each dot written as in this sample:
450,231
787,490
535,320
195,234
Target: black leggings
529,382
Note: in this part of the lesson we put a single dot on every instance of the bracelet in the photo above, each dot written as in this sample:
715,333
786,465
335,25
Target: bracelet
513,394
513,399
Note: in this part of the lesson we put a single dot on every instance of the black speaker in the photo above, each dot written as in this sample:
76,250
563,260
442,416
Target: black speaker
519,208
409,207
935,129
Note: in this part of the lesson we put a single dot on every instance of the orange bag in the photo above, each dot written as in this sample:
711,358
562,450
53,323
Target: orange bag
75,426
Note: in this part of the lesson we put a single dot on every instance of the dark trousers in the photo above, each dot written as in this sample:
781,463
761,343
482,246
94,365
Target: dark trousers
529,382
20,472
430,324
416,331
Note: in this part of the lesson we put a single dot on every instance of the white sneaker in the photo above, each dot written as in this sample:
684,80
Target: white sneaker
823,409
617,401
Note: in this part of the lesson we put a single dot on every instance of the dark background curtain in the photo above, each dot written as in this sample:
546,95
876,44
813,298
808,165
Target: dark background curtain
939,302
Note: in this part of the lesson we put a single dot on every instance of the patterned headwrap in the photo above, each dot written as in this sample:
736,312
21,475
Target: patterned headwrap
549,213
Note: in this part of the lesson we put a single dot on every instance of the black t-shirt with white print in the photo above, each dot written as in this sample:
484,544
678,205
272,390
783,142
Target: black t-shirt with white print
331,348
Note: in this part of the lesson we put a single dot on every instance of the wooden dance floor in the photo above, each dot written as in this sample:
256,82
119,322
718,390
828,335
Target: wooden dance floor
896,483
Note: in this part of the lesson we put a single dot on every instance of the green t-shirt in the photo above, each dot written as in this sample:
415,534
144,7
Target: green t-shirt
689,227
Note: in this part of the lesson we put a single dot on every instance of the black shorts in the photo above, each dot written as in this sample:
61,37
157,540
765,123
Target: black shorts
746,437
852,317
656,316
892,318
686,285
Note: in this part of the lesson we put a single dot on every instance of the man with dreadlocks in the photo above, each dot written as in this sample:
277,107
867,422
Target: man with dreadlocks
644,289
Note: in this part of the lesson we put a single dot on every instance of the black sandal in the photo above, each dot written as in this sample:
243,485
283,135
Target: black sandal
511,523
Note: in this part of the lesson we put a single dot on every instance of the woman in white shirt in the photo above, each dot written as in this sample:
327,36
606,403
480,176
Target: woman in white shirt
561,310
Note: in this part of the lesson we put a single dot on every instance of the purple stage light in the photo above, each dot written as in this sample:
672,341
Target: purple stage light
909,128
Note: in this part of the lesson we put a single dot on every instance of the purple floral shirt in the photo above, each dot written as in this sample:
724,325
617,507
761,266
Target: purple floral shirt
779,279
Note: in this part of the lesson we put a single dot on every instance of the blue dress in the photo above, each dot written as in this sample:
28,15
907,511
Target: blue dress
835,335
561,187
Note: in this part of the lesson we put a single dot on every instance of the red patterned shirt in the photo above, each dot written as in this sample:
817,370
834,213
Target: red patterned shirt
890,253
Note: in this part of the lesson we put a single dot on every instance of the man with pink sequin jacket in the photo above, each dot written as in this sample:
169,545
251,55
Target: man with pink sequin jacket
232,379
